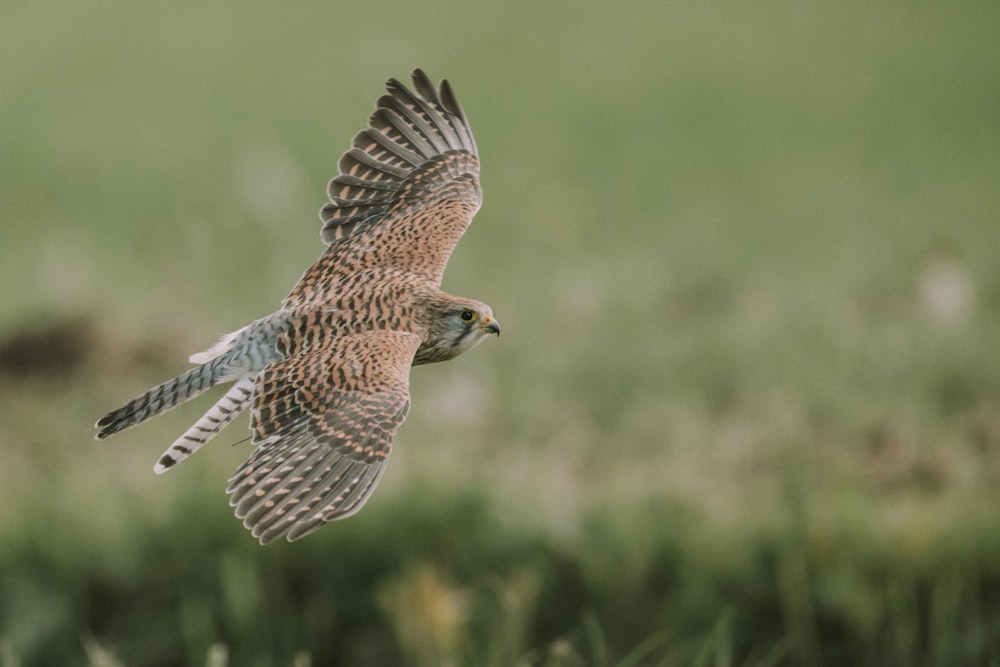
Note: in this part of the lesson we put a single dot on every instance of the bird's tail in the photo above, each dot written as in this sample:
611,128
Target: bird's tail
240,354
165,396
217,418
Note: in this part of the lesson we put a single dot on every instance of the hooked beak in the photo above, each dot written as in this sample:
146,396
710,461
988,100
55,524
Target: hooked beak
490,325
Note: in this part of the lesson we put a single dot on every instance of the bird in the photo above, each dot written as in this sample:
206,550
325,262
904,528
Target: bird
326,376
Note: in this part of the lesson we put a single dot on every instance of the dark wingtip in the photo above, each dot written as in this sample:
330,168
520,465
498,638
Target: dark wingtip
424,87
419,77
267,537
444,94
449,101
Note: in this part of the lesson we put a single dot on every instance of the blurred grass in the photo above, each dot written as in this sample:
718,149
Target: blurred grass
746,408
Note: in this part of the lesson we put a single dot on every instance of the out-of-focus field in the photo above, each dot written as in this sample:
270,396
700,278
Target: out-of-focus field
745,409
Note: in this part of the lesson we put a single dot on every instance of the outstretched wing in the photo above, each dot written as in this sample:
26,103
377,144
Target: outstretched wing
323,423
409,185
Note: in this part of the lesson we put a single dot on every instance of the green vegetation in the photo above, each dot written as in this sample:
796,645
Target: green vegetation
745,409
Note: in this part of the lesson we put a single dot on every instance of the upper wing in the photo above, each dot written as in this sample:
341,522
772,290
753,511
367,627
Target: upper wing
323,422
410,182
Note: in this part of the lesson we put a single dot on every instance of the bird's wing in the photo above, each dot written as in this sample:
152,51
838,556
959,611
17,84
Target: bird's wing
409,185
323,421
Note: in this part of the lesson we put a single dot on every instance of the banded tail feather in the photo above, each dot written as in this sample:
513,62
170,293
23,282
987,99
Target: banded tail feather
217,418
239,354
161,398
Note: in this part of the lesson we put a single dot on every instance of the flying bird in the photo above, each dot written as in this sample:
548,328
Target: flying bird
326,376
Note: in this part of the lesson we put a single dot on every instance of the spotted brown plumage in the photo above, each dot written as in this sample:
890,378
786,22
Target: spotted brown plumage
326,376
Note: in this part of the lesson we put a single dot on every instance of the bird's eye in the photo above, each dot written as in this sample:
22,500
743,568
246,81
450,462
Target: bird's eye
467,315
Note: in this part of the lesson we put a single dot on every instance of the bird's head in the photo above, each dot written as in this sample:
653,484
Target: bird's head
459,325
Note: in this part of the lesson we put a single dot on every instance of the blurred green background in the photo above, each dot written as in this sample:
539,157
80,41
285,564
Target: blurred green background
745,409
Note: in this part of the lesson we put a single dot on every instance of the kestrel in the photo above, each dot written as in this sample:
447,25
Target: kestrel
326,377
